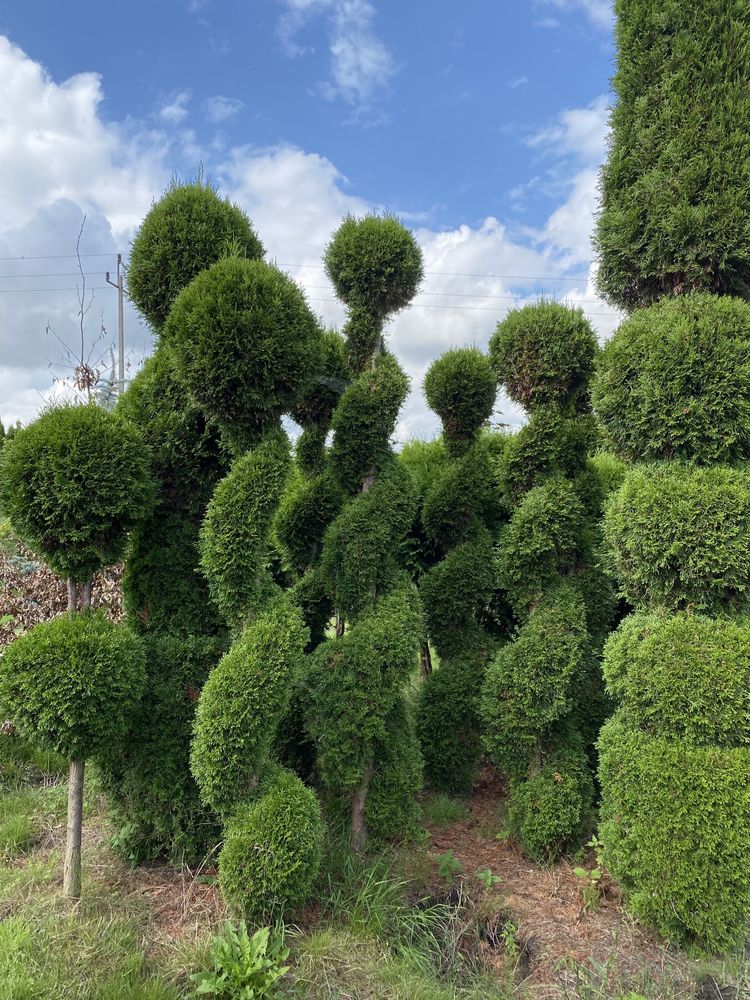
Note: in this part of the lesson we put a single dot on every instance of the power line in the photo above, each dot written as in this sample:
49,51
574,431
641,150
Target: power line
62,256
474,295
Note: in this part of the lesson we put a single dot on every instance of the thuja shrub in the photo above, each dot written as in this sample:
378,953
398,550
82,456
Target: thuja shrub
461,388
73,484
190,228
272,849
674,382
679,536
308,506
675,186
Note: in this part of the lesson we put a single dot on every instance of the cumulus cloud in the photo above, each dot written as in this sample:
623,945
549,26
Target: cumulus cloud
219,109
599,12
360,63
174,108
61,160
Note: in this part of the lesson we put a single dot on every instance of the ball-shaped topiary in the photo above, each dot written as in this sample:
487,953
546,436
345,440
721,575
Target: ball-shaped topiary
543,353
187,230
679,536
73,484
375,263
461,388
272,850
674,381
72,684
246,345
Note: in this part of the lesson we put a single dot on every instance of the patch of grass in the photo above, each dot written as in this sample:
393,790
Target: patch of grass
442,810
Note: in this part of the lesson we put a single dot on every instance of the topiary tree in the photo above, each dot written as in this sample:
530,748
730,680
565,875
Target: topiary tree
70,685
355,679
542,703
187,230
675,187
459,515
675,759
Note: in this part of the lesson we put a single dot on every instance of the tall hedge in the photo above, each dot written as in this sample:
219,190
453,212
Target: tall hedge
676,184
542,700
675,760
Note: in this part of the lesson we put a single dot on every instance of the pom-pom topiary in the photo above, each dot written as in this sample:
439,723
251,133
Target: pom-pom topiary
272,850
73,484
246,345
543,353
679,536
186,231
674,382
461,387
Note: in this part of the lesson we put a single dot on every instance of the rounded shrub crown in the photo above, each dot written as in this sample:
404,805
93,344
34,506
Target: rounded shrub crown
543,353
674,381
72,684
460,387
246,345
73,484
374,262
187,230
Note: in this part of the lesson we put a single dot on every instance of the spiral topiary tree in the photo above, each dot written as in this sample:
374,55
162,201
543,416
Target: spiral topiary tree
541,703
459,516
73,484
672,390
367,753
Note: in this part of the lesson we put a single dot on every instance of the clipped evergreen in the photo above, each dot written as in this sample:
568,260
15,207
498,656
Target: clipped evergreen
676,184
543,702
190,228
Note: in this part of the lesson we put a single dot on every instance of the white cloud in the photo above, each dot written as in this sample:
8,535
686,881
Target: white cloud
218,109
578,132
174,109
519,81
599,12
360,63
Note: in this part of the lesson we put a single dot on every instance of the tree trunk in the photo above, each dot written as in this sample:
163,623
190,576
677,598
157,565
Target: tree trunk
72,594
72,868
86,601
359,804
339,625
425,658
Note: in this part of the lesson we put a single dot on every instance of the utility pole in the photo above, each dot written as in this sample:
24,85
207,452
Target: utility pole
120,286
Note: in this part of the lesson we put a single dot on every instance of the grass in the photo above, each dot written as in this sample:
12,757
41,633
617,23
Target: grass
442,810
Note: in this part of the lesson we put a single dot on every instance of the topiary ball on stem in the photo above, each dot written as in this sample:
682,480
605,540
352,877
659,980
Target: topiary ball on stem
374,263
674,382
187,230
73,484
543,353
461,387
246,346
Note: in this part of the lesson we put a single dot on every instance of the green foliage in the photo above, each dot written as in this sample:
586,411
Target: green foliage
310,596
442,810
246,345
456,591
364,420
71,684
543,353
244,967
187,454
374,263
448,866
316,406
359,558
73,483
306,509
601,476
675,187
676,833
186,231
272,849
684,676
674,382
531,682
460,387
541,541
548,811
147,776
679,536
461,499
392,809
355,681
235,534
241,704
447,719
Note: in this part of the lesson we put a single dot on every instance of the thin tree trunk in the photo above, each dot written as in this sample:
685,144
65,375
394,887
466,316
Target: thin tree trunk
86,602
359,804
72,594
339,625
72,868
425,658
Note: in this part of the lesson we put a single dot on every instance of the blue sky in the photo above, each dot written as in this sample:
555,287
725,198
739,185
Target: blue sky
482,124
